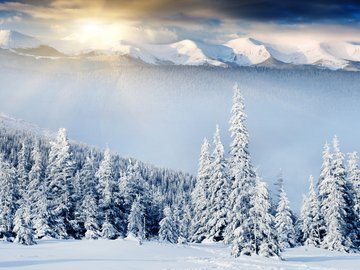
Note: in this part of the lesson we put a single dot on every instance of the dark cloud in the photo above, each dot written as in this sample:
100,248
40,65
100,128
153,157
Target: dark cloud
290,10
211,12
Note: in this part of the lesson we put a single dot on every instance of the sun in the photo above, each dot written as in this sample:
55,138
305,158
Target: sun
91,28
98,34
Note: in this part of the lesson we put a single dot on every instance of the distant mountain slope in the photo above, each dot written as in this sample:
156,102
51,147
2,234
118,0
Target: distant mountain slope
244,51
13,40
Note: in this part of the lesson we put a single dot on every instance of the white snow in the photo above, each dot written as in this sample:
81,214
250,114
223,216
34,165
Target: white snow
248,51
307,53
12,40
128,254
243,51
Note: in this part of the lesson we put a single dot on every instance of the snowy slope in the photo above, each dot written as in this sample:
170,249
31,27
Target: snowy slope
127,254
343,50
244,51
185,52
248,51
308,53
12,40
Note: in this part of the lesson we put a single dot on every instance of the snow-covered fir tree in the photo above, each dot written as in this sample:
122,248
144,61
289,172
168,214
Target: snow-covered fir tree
334,205
354,183
137,220
242,181
60,172
90,218
168,228
218,189
200,195
265,236
8,197
106,196
185,224
22,224
284,222
311,222
23,168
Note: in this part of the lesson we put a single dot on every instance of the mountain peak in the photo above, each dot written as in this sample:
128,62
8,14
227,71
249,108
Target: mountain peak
10,39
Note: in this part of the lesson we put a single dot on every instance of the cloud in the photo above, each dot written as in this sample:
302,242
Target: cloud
202,11
165,20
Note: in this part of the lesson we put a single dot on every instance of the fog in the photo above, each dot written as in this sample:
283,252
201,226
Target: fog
160,115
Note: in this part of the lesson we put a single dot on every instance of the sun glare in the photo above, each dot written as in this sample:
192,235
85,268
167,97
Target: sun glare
98,34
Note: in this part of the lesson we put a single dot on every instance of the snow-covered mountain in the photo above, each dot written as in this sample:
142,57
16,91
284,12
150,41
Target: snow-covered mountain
244,51
13,40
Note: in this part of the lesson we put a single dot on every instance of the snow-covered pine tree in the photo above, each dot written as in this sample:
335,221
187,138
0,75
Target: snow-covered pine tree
284,222
324,183
131,186
8,197
168,228
335,205
106,196
200,195
354,181
23,168
218,192
22,224
137,220
59,178
41,217
311,222
39,207
242,181
185,224
90,218
265,236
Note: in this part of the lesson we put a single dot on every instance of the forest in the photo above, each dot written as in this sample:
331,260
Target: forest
52,187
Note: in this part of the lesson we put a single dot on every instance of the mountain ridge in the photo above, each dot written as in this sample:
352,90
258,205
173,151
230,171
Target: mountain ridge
242,51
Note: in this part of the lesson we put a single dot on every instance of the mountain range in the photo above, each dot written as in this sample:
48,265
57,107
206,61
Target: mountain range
244,51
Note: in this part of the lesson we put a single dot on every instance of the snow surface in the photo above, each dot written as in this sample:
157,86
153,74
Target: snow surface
128,254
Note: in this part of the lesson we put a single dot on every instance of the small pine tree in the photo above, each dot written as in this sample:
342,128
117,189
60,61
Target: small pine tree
168,229
23,226
90,212
136,220
284,222
265,237
311,221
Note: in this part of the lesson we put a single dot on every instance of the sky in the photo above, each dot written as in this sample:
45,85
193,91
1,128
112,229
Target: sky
164,21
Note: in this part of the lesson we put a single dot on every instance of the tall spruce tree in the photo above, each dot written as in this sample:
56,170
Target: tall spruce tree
60,172
335,205
8,196
200,195
218,192
106,188
242,181
284,222
354,183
